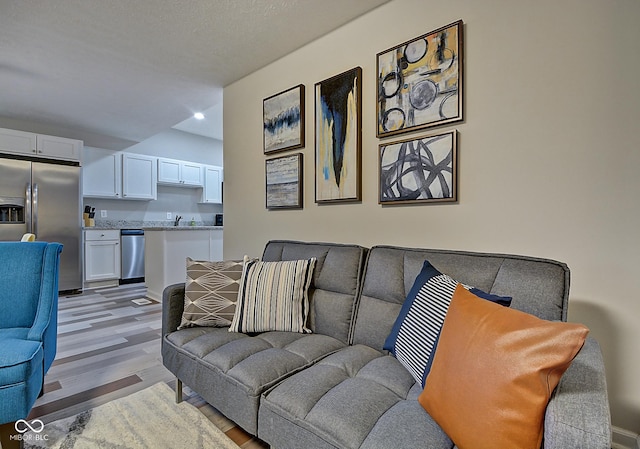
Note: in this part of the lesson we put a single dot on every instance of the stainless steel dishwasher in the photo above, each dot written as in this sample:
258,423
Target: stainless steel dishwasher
132,255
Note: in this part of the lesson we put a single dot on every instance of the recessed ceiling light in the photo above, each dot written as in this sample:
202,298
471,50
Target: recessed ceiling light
198,115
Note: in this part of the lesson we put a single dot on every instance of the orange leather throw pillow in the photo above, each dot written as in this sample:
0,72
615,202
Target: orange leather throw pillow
494,371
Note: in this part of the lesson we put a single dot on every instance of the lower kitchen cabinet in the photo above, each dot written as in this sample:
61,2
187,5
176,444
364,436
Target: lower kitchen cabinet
102,257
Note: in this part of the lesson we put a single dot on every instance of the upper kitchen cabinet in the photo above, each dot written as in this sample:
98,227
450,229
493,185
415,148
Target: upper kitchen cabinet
179,173
102,174
17,142
39,145
119,175
212,191
58,147
139,177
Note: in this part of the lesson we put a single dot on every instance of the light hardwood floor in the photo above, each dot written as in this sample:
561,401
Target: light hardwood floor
109,347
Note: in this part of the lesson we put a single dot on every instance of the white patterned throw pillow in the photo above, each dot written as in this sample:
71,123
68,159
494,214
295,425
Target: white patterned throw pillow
210,292
273,296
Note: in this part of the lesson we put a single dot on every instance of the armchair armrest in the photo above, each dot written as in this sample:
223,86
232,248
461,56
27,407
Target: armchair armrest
45,324
578,414
47,311
172,307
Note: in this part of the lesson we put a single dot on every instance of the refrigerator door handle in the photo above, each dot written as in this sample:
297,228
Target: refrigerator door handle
28,207
34,229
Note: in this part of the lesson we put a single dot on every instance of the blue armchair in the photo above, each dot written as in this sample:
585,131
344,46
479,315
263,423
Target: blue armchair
28,323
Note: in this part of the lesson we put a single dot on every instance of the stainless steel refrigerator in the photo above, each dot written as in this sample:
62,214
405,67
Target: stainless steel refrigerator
44,199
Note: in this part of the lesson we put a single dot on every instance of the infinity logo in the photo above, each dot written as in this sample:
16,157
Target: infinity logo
22,426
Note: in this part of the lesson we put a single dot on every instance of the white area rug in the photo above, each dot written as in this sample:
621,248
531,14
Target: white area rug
147,419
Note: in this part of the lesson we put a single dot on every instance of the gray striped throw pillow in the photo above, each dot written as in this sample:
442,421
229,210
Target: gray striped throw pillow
273,296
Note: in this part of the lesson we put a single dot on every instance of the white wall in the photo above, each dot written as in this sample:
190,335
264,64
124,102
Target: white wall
176,144
548,153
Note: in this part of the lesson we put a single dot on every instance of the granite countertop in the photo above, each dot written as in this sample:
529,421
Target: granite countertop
104,225
181,228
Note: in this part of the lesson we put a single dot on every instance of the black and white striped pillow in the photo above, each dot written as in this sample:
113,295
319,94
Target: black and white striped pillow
273,296
415,334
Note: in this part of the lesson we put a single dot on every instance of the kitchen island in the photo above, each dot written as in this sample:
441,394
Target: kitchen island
167,249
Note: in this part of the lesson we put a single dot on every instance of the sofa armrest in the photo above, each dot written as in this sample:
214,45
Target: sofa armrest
578,413
172,307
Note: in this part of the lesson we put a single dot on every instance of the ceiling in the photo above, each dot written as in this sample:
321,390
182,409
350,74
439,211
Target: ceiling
116,72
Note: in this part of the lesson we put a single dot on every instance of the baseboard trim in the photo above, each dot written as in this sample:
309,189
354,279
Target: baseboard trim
625,439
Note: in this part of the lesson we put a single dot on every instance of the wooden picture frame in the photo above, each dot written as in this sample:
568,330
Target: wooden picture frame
283,120
419,170
283,181
338,137
420,82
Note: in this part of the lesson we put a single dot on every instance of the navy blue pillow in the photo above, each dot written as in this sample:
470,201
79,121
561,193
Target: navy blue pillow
415,334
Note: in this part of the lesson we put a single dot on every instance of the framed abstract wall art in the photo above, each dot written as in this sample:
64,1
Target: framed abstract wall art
338,137
420,82
284,182
422,169
283,120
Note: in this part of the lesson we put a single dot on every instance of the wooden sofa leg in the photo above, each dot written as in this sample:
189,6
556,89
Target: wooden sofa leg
178,391
9,436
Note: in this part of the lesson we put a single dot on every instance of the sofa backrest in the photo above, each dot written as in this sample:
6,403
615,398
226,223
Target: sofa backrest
538,286
336,281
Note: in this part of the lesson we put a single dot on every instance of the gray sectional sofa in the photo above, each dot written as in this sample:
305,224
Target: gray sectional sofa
337,387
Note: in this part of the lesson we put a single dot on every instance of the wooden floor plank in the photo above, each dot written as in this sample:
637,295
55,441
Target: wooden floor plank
108,348
91,393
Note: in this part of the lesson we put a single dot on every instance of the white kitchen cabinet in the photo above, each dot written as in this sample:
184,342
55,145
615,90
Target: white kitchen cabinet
212,191
168,171
17,142
119,175
39,145
102,256
102,174
139,177
192,174
58,148
179,173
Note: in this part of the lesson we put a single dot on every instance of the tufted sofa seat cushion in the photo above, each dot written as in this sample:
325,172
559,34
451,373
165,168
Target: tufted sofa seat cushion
245,365
357,397
270,355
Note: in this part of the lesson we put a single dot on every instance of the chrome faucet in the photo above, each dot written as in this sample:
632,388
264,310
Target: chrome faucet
177,220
